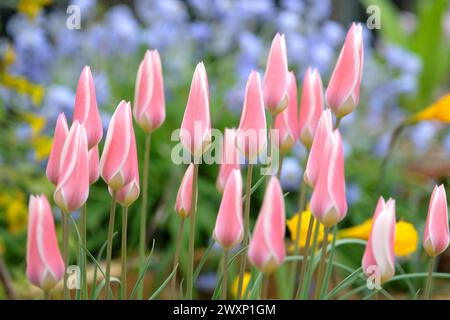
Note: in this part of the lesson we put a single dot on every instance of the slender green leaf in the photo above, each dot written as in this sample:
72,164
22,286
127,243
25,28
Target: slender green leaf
163,285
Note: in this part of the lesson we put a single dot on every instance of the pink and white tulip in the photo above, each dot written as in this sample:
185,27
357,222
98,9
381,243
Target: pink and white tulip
267,249
117,163
149,102
86,110
59,136
436,236
184,195
379,256
94,170
316,155
229,228
328,201
130,192
45,266
195,132
276,77
229,158
342,93
311,106
72,189
251,136
286,121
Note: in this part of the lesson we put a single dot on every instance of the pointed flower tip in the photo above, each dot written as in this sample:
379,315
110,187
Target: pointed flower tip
276,76
195,134
149,101
436,236
342,93
72,189
117,162
252,133
183,201
229,228
379,255
267,249
45,266
86,109
59,137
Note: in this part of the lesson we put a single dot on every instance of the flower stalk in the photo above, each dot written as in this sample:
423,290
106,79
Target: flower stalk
124,252
248,186
191,248
112,215
177,258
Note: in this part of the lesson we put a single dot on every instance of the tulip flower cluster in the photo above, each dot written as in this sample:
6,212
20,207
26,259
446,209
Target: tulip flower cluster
74,164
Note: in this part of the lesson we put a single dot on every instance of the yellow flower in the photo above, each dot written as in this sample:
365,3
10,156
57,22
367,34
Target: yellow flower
235,284
292,226
23,86
406,237
31,8
36,123
8,57
440,111
42,147
16,211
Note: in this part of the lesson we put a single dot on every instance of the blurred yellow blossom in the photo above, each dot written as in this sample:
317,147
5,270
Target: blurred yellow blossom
439,111
13,204
406,237
8,56
42,146
22,86
31,8
292,226
235,284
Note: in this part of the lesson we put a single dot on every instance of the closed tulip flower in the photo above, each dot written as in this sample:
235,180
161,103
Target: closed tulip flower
379,256
117,161
59,136
267,249
276,77
195,132
229,228
229,158
328,201
86,110
436,236
45,266
311,106
286,122
342,93
252,133
149,103
316,155
130,192
184,196
72,189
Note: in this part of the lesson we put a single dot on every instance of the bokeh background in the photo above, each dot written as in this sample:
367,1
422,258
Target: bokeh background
406,68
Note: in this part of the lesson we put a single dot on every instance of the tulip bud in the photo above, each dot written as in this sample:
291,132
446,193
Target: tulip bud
311,106
45,266
267,250
342,94
59,136
117,161
149,104
229,158
86,110
184,196
316,154
276,77
195,132
72,189
436,236
94,172
286,121
229,228
328,201
379,257
251,136
130,192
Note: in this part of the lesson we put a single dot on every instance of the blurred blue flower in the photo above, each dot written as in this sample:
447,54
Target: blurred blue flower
333,33
422,134
353,192
291,174
293,5
123,30
207,282
58,98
